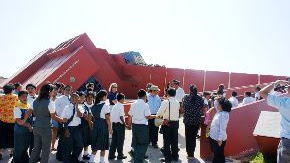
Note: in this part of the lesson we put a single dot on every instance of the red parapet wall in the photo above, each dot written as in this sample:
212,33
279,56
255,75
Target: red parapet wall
175,73
215,78
193,77
242,79
240,130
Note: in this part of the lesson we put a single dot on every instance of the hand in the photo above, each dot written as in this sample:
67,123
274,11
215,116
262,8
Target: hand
110,131
220,142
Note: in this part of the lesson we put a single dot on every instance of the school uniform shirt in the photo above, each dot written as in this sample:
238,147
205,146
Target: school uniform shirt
51,107
138,111
17,111
30,99
234,101
179,94
257,96
154,103
89,106
105,110
174,109
219,126
117,112
248,100
61,103
68,112
112,96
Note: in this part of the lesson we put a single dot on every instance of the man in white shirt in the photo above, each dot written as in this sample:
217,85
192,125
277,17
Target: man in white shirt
179,91
234,99
248,98
169,110
60,104
138,118
118,137
73,141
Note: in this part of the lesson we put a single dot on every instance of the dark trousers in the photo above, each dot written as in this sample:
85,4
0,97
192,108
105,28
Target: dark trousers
153,132
283,154
42,142
218,151
21,145
118,138
72,145
170,138
60,133
190,138
141,136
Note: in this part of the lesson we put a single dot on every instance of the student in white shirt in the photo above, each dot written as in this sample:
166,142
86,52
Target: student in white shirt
118,125
179,91
102,126
138,118
248,98
73,141
257,94
60,104
218,135
234,99
169,110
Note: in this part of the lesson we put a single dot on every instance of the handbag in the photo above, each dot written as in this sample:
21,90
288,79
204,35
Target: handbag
166,121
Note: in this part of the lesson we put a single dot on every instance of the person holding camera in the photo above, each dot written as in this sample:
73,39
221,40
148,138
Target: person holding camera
282,103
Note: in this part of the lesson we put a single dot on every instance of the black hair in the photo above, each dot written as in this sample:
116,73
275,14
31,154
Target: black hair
80,93
226,104
44,91
58,85
141,93
22,93
67,86
91,93
220,92
30,85
234,94
101,94
171,92
206,93
248,93
90,84
8,88
193,90
120,96
16,85
258,88
221,87
148,85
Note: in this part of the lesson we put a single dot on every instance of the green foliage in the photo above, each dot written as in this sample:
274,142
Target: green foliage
259,158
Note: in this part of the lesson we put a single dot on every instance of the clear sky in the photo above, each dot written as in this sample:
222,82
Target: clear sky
224,35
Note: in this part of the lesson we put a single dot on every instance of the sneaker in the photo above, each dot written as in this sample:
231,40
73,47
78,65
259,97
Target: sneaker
86,157
121,157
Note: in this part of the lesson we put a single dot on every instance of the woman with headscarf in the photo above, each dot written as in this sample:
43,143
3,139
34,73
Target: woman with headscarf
193,105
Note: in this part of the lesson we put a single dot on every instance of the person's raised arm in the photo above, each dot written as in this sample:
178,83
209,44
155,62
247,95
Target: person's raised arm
266,90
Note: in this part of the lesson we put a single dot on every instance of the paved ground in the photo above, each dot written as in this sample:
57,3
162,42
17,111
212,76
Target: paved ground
154,154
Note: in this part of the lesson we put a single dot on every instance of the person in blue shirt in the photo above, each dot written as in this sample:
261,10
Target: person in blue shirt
282,103
112,95
154,103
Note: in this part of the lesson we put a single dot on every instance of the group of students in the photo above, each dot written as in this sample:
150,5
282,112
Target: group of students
84,119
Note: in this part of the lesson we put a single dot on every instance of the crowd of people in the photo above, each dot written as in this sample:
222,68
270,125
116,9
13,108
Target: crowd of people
83,120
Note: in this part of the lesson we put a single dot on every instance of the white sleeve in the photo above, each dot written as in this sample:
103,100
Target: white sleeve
51,107
17,113
81,109
31,106
147,110
162,109
131,111
66,112
122,113
106,109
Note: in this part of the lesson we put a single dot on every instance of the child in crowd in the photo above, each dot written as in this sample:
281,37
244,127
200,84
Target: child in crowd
72,142
101,126
117,118
87,123
22,133
218,135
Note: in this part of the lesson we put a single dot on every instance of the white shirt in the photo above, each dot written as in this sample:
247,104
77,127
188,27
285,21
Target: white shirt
257,96
117,112
139,110
61,103
17,112
68,112
51,107
174,109
219,126
248,100
30,99
179,94
105,110
234,101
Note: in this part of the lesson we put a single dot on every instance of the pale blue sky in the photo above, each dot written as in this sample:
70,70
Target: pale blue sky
225,35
